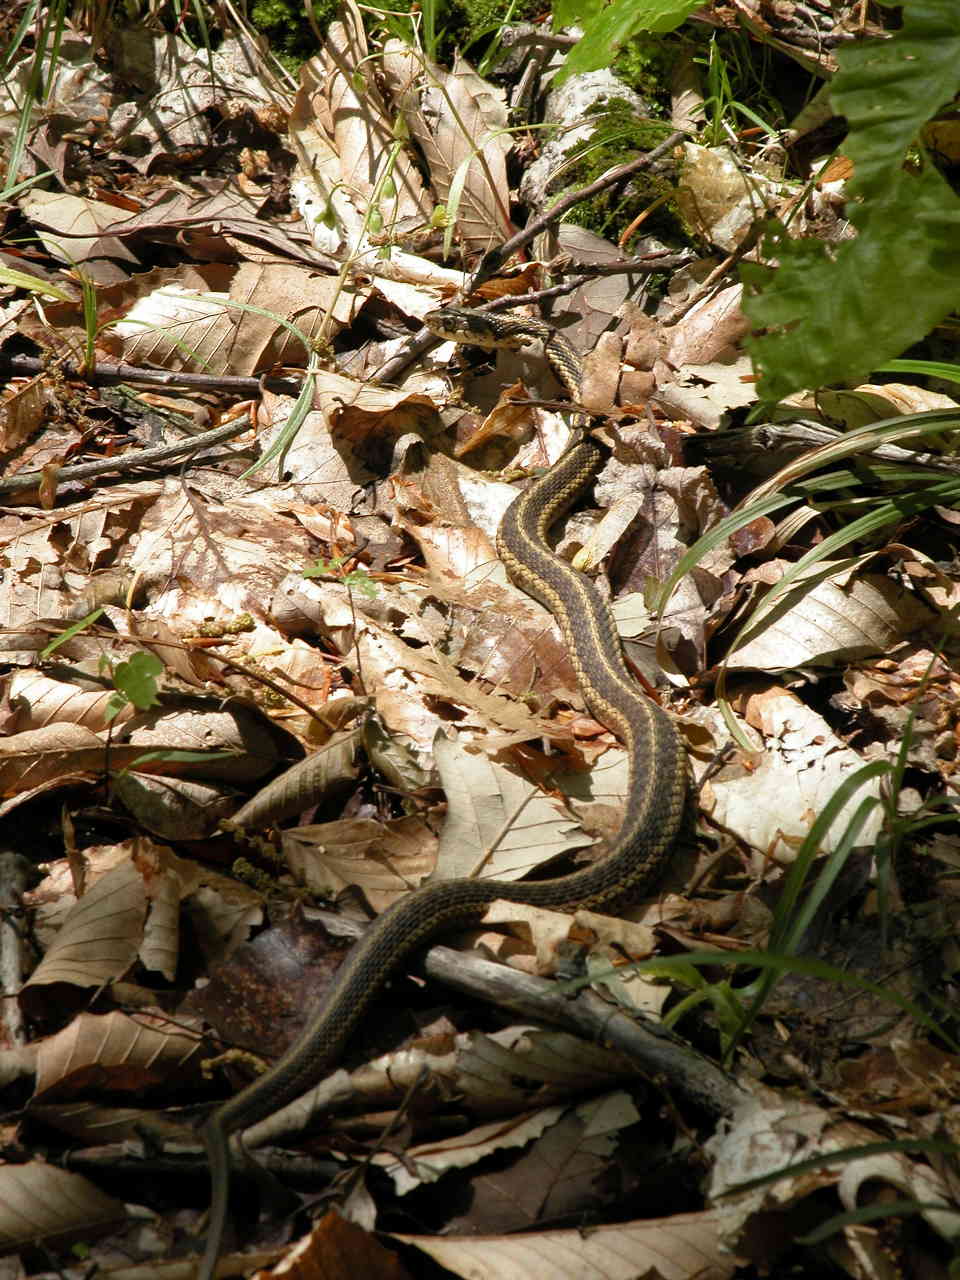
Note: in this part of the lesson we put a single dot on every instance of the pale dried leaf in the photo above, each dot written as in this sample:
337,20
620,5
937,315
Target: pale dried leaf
498,824
183,323
834,617
461,123
42,701
427,1162
237,743
343,137
496,1074
866,403
113,1052
174,808
304,784
766,1136
168,880
384,859
553,934
22,410
802,764
915,1181
215,562
101,934
401,675
29,760
718,198
361,128
178,328
39,1202
80,220
681,1247
709,329
519,1063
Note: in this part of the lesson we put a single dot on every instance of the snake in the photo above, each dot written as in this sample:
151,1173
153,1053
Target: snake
656,795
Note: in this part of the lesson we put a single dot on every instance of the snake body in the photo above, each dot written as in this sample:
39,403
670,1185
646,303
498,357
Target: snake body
655,800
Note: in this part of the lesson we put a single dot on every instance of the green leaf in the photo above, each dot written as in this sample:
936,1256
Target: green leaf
888,89
832,315
566,13
604,33
836,320
74,629
136,679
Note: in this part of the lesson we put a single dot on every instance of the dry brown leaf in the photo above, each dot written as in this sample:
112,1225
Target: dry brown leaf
183,324
214,561
769,1134
719,199
114,1052
39,756
41,1203
834,613
304,784
709,331
802,763
42,701
237,742
100,937
81,221
568,1170
498,824
22,409
174,808
384,859
336,1249
460,122
676,1248
427,1162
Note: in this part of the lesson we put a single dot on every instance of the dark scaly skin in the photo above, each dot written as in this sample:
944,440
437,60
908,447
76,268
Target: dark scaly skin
653,815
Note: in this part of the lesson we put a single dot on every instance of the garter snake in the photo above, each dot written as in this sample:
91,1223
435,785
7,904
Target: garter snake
654,806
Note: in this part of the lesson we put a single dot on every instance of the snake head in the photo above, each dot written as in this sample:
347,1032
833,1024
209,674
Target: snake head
478,329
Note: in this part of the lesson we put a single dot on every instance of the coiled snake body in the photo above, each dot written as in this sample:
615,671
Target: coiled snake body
654,805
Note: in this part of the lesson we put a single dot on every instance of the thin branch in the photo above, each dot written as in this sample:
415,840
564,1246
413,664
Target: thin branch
492,261
655,1050
126,462
109,375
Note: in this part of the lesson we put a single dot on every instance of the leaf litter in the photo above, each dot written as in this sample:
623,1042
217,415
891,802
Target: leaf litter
348,585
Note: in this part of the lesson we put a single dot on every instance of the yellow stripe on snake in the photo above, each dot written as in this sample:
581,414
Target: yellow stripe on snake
654,806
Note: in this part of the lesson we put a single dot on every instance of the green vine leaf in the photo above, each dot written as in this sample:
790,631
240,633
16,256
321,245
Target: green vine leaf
833,315
604,31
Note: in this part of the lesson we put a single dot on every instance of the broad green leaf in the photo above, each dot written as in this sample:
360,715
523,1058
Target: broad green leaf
612,27
888,89
567,13
835,318
832,315
137,679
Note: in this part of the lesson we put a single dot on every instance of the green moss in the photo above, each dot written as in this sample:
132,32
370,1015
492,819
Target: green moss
621,137
284,24
646,64
462,24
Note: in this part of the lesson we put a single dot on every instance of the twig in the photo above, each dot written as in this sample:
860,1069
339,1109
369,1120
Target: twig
108,375
715,275
424,340
493,260
654,1049
624,266
125,462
